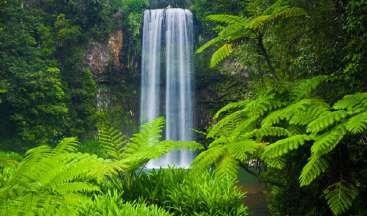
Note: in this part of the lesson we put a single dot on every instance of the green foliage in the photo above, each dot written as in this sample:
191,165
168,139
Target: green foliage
111,204
286,126
143,146
61,180
340,196
183,192
286,145
46,90
54,180
240,28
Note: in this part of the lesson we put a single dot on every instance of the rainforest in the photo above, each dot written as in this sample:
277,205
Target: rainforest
183,107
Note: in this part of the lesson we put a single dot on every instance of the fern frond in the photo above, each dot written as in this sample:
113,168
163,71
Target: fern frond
227,168
66,145
242,150
326,142
357,124
340,196
308,113
271,132
228,122
48,178
305,88
356,101
244,126
313,169
276,163
225,18
259,22
149,135
299,113
112,142
286,145
208,157
220,54
208,44
262,105
229,107
274,118
288,12
326,120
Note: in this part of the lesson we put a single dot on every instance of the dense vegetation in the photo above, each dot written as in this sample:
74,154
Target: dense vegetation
288,74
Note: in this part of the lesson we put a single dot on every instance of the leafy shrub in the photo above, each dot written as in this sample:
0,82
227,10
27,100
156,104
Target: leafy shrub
61,180
186,193
280,126
111,204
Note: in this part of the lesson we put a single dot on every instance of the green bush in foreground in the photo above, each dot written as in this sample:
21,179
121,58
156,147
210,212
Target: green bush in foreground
184,192
112,205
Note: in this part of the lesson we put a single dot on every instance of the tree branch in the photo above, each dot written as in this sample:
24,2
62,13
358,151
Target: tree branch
263,51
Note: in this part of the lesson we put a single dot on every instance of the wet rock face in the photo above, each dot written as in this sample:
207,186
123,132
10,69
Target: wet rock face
101,55
115,44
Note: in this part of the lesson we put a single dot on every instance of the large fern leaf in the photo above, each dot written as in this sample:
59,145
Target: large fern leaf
226,18
306,88
340,196
112,142
355,102
357,124
326,142
313,169
326,120
220,54
286,145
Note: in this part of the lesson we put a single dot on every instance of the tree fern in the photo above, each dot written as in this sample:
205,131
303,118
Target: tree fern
220,54
306,88
271,132
230,107
326,142
225,155
312,170
240,28
357,124
226,18
340,196
286,145
355,102
227,167
326,120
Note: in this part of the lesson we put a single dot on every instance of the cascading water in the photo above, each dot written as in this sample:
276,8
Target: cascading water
166,86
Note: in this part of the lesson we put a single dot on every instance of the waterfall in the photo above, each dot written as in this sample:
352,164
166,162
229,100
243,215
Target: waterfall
166,84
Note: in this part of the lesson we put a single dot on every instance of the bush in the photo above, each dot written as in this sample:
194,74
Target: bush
185,193
111,204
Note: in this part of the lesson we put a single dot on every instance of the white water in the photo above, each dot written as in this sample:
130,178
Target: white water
166,87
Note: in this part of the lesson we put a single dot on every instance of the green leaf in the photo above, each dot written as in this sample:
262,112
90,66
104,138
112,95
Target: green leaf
326,120
313,169
340,196
286,145
326,142
357,124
